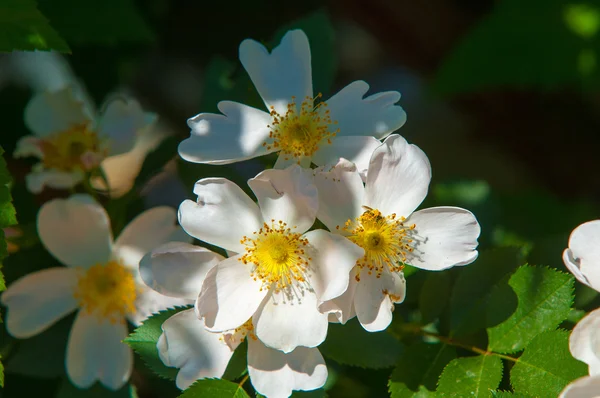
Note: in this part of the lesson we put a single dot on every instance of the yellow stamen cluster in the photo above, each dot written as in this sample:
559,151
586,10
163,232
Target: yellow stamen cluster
278,254
106,290
66,150
239,334
299,132
386,241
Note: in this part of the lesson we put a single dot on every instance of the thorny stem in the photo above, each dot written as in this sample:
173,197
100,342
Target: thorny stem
452,342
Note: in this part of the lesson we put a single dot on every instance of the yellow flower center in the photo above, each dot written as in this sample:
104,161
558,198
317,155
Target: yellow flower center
386,241
72,149
299,133
278,254
106,290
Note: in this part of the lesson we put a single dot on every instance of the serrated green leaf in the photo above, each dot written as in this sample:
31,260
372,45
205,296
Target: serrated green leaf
418,369
508,394
546,366
104,22
68,390
143,341
472,289
350,344
23,27
470,377
434,295
214,388
544,298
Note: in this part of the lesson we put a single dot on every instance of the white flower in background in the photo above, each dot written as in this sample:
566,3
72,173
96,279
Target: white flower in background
298,126
380,217
70,140
582,258
278,273
101,280
178,270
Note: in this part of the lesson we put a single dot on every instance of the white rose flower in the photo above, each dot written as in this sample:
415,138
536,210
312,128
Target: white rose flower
298,126
100,280
70,141
380,217
278,273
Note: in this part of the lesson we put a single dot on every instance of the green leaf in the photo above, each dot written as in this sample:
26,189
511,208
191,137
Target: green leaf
418,369
470,376
473,287
350,344
544,298
68,390
538,43
104,22
214,388
320,34
508,394
23,27
1,374
318,393
143,341
434,295
238,364
546,366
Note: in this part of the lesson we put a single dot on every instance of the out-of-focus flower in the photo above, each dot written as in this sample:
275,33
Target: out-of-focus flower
10,233
380,217
70,140
298,126
278,273
178,270
100,280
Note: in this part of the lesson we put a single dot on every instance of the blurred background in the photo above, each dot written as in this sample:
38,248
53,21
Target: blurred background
501,95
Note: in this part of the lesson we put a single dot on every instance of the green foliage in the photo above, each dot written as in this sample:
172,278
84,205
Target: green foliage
318,393
545,44
508,394
434,295
546,366
418,369
350,344
105,22
238,363
8,215
473,288
544,297
470,376
143,341
23,27
214,388
68,390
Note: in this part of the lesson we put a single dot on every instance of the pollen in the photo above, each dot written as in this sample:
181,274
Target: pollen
385,239
106,290
280,256
77,148
301,130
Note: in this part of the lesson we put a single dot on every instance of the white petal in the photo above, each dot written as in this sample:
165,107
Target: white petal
574,265
221,215
284,161
150,229
178,269
584,387
187,345
585,249
38,179
36,301
149,302
333,259
374,115
584,340
229,295
29,146
375,297
54,112
76,231
287,195
283,73
398,179
122,120
284,323
341,194
444,237
238,134
95,352
275,374
341,309
357,149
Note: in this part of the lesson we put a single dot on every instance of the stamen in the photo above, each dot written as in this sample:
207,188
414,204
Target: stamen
75,148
